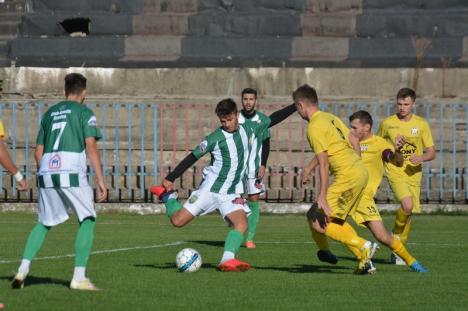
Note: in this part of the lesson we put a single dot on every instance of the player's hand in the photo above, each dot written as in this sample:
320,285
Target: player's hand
261,172
168,185
22,185
416,159
400,141
323,205
101,194
306,175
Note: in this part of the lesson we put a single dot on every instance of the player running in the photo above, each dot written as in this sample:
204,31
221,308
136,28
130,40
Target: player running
336,153
257,160
418,147
223,180
67,134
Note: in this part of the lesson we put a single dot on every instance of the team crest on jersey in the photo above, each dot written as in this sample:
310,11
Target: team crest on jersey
55,162
414,131
364,147
92,121
203,145
193,199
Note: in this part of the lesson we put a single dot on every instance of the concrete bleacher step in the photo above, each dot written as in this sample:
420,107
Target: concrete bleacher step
259,6
332,24
10,6
333,6
169,6
8,28
84,6
413,4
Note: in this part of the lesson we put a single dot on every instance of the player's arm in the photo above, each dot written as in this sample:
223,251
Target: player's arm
38,153
95,159
354,141
184,165
396,158
428,155
264,159
324,169
280,115
308,169
7,163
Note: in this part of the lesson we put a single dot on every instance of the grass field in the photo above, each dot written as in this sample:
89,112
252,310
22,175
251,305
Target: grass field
133,262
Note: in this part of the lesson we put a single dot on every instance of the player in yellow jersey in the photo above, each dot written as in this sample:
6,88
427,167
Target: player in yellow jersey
330,140
7,163
418,147
374,152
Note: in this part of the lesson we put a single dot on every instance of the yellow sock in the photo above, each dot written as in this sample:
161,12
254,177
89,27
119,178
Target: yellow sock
320,239
344,235
401,251
400,221
404,235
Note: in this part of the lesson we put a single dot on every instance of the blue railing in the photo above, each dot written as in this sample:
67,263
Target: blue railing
141,142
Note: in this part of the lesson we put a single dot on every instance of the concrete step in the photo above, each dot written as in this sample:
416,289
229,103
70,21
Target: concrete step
334,24
169,6
89,6
160,24
10,17
8,28
400,24
12,6
333,6
413,4
245,25
259,6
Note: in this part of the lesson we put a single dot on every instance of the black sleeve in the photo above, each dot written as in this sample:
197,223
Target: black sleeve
265,151
182,167
279,115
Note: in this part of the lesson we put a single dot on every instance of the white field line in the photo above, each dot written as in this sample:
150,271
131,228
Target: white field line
105,251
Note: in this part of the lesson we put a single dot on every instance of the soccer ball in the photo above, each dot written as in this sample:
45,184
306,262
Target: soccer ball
188,260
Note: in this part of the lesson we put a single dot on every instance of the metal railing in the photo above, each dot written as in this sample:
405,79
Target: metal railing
142,142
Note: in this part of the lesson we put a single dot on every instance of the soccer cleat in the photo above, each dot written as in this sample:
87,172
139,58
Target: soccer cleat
418,267
327,256
86,284
250,244
234,265
397,260
18,280
374,248
364,262
162,194
372,269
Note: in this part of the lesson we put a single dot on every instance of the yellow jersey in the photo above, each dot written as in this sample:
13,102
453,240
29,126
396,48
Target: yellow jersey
326,132
418,137
2,129
371,154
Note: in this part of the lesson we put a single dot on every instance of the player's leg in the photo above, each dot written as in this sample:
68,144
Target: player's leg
316,218
253,219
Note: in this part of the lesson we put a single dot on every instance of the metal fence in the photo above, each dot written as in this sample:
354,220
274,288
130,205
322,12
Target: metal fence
142,142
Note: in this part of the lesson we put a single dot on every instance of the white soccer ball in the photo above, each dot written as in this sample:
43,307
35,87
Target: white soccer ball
188,260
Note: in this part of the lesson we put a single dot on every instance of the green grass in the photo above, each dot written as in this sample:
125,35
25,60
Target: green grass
287,275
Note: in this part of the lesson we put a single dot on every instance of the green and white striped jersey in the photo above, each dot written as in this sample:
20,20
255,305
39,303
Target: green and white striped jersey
64,129
255,156
229,156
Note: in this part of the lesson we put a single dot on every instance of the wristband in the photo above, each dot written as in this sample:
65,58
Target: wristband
18,176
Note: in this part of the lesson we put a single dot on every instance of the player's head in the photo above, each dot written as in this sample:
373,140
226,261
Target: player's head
406,98
305,97
361,124
228,115
75,86
249,100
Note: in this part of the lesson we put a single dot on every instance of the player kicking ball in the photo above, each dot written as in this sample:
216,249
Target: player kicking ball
223,180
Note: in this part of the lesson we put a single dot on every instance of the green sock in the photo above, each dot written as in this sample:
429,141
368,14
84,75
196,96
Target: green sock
233,241
172,206
35,240
253,219
84,242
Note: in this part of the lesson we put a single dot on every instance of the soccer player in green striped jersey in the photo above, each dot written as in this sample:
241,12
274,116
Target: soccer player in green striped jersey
67,134
223,180
257,160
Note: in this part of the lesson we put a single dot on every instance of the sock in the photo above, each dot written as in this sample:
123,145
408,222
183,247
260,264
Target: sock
404,235
172,206
227,256
24,266
84,242
400,221
320,239
343,234
79,274
253,219
399,249
233,241
353,249
35,240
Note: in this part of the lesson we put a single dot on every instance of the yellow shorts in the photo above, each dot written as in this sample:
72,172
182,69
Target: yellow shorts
403,189
366,211
346,191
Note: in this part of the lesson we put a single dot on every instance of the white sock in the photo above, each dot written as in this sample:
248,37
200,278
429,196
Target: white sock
79,274
24,266
227,256
367,244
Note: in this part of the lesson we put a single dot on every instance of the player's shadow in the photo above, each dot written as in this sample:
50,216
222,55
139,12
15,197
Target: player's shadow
32,280
171,266
301,268
209,243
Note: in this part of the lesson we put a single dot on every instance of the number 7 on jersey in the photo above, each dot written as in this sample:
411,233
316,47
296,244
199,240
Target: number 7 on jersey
58,126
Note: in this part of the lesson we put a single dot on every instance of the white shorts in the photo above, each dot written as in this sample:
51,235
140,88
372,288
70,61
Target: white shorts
253,188
54,204
202,202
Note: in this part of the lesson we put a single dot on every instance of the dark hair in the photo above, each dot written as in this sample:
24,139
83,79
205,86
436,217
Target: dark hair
249,90
225,107
406,92
306,92
75,83
363,116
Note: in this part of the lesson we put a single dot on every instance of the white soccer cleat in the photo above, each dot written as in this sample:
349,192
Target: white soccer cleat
374,248
397,260
18,280
86,284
